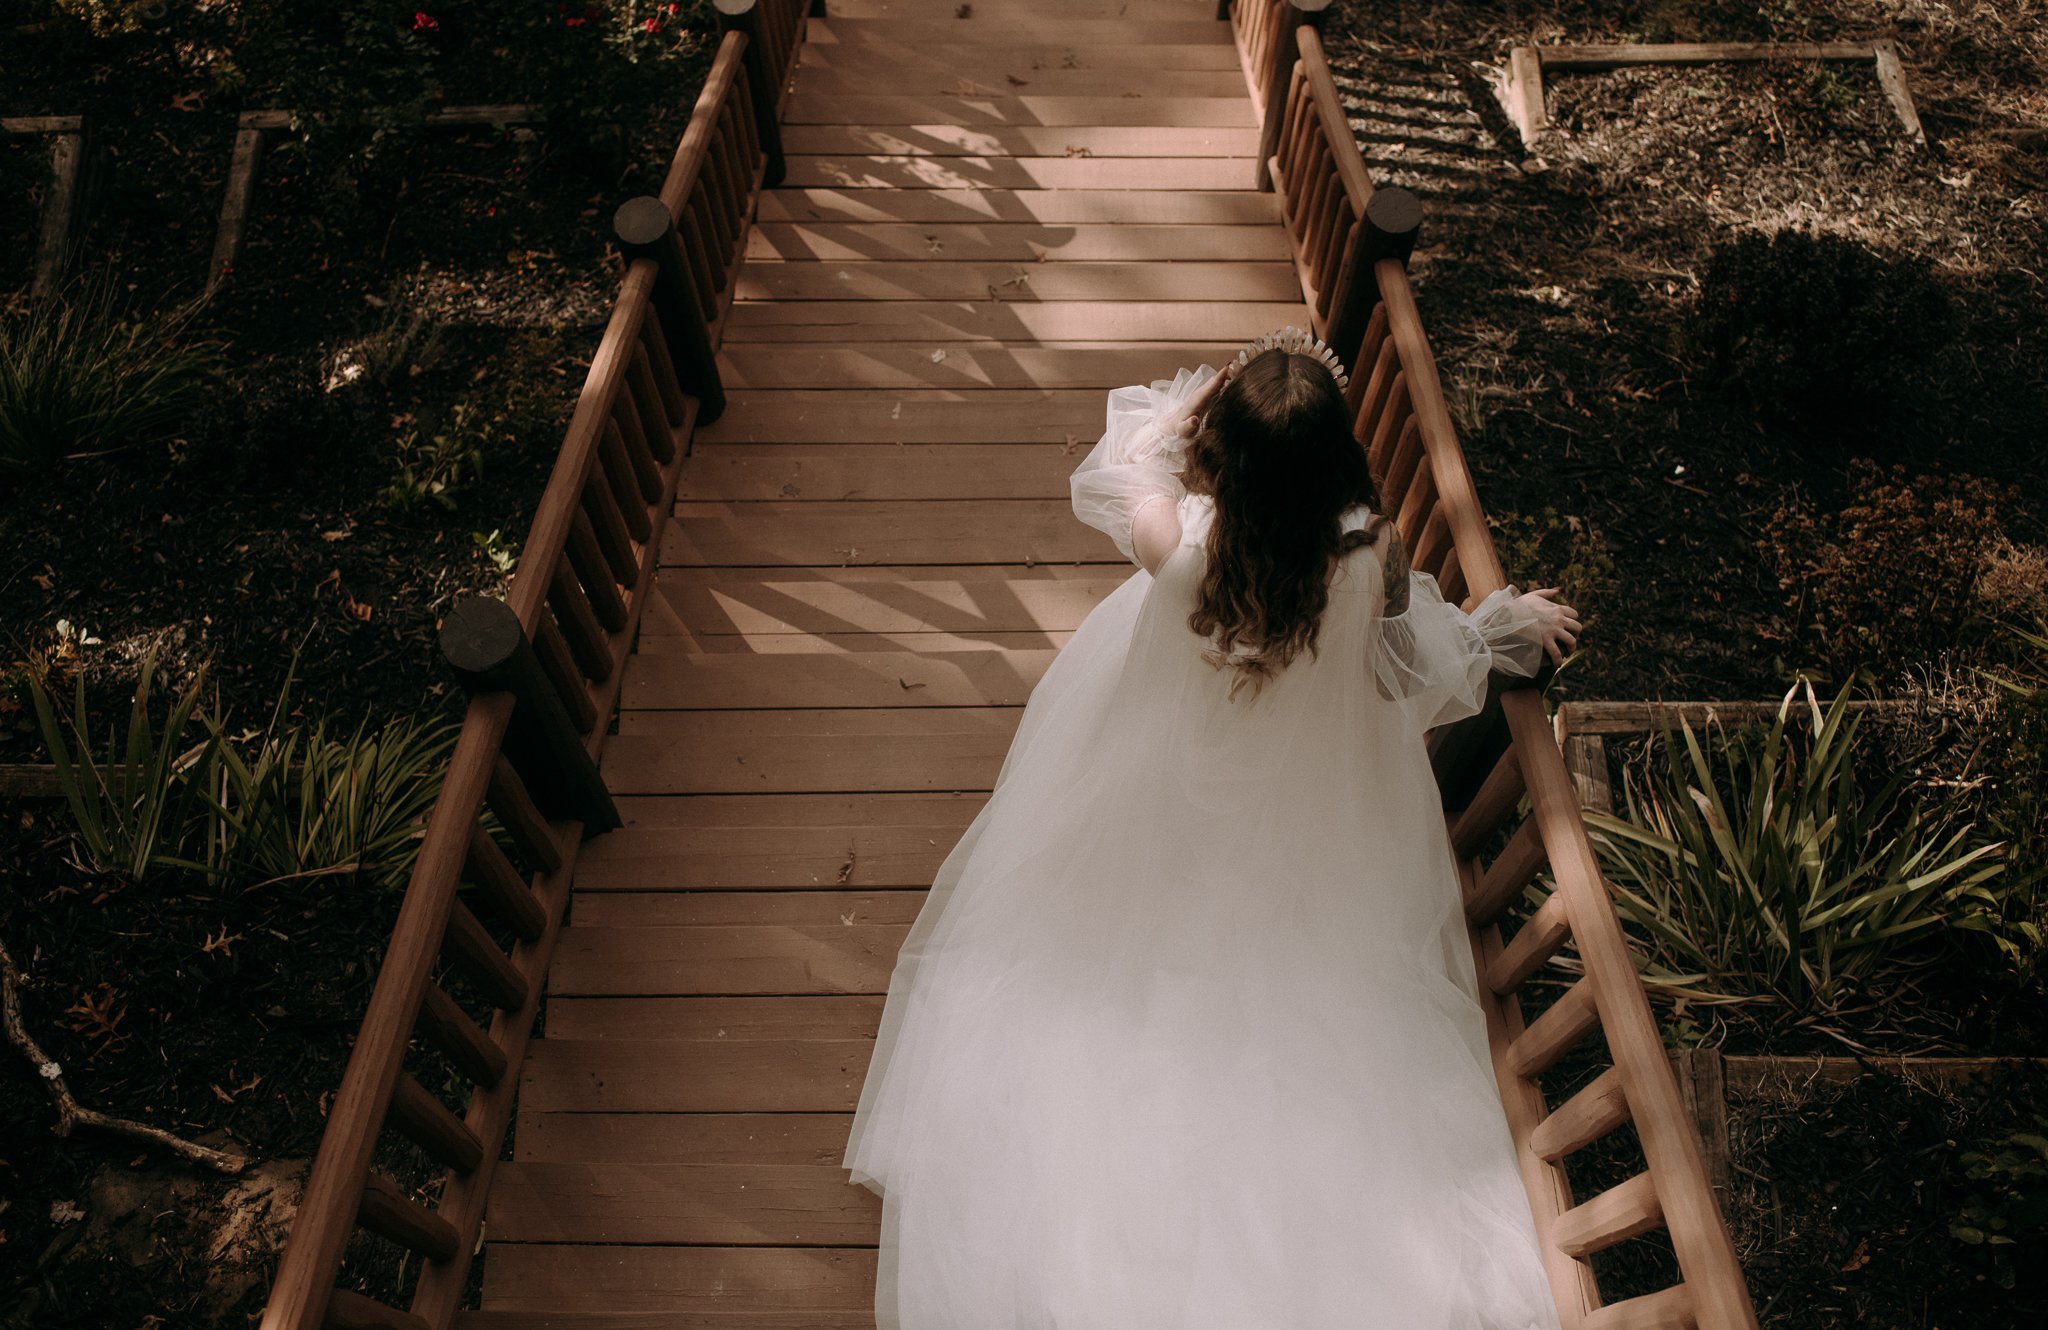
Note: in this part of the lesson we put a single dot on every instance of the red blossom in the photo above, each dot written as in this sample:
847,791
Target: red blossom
425,22
650,25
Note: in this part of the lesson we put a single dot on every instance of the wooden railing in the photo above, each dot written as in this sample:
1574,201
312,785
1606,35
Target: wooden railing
543,669
1512,811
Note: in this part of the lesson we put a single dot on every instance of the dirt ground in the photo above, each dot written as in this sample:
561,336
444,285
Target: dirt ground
1560,285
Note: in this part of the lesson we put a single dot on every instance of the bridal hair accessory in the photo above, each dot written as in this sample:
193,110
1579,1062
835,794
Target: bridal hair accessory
1294,341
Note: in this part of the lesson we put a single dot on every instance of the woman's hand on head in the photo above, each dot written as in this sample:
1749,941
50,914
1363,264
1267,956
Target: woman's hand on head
1192,411
1556,623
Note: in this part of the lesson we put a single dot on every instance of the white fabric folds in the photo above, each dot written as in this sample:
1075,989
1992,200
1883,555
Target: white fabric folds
1139,457
1186,1035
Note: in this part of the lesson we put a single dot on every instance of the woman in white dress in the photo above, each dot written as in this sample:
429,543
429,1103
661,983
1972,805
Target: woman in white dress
1186,1036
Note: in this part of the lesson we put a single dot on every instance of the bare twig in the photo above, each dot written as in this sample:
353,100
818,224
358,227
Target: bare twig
72,1114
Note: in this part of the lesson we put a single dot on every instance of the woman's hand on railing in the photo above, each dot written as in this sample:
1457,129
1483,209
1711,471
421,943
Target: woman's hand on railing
1555,625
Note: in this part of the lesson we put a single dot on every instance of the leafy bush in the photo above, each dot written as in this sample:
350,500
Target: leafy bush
310,803
2016,749
1570,550
2005,1216
1760,867
79,373
132,809
1910,567
1818,330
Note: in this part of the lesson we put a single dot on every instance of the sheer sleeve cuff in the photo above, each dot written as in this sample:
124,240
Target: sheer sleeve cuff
1436,657
1140,456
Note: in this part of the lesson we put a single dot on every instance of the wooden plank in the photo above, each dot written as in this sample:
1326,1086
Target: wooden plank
944,15
882,531
776,842
1891,77
746,1204
879,600
680,1281
990,76
686,1138
1018,242
822,957
808,752
633,911
694,1075
994,364
804,471
1058,31
1019,56
709,681
1695,53
1058,207
854,109
877,171
775,1016
968,415
929,321
948,140
1018,282
725,1318
827,644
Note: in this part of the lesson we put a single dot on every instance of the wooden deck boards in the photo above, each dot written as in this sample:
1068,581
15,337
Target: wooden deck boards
987,222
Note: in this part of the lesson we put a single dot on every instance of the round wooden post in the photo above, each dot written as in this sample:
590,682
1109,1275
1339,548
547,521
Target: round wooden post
1387,231
483,643
646,230
1282,56
745,16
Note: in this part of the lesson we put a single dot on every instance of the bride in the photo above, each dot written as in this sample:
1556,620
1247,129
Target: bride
1186,1036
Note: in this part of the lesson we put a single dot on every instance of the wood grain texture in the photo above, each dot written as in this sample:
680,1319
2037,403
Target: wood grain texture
684,1138
710,681
721,472
748,1204
1004,241
798,751
944,140
962,364
694,1075
1051,207
679,1281
1015,283
881,531
914,415
1061,172
793,322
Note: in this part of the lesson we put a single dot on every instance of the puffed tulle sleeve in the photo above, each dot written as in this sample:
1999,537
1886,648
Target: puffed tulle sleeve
1436,657
1139,457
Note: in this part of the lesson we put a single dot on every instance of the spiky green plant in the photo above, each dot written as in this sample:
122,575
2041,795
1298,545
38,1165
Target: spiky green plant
1761,866
131,809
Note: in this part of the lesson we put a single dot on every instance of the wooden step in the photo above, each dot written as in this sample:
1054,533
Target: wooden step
694,1075
738,1205
881,171
1017,56
829,533
831,644
771,842
1018,283
841,1318
1045,321
990,76
964,364
826,956
1022,29
710,681
681,1282
804,108
1014,242
947,140
970,415
803,471
945,14
637,911
1615,1215
776,1016
1046,207
687,1138
847,750
895,599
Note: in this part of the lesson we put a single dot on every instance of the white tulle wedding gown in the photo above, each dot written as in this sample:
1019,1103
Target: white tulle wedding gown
1186,1036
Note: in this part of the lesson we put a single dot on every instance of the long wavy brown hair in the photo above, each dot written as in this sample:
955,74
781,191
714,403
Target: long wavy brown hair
1277,452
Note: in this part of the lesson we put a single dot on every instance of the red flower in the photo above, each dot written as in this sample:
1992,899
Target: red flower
650,25
424,22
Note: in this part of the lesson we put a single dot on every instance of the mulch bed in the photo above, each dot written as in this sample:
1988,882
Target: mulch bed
261,546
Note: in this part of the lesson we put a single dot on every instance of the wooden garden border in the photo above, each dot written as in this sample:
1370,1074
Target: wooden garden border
64,205
1522,86
250,130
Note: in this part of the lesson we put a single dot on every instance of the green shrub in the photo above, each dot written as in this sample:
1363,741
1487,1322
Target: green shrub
1760,866
2016,766
78,373
1820,331
311,803
132,808
1569,550
2004,1219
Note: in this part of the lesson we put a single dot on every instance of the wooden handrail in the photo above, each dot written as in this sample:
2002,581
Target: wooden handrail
1351,244
544,671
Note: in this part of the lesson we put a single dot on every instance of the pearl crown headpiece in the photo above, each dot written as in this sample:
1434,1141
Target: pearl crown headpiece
1294,341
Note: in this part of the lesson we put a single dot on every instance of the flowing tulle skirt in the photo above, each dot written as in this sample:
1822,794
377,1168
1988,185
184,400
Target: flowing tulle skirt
1185,1037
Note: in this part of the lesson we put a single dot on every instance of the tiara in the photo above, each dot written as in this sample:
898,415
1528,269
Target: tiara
1296,342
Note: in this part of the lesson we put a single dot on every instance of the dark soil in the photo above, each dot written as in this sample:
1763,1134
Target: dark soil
1561,290
466,269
